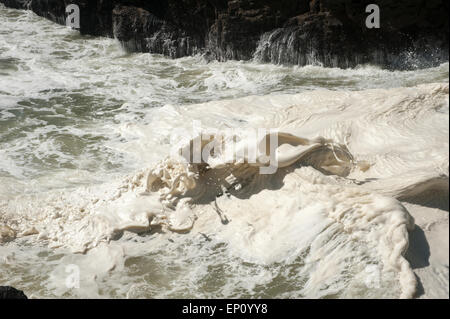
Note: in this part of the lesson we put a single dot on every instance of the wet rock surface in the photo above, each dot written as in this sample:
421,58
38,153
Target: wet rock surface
11,293
413,33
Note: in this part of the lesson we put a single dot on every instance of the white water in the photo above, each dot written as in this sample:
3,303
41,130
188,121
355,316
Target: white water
78,115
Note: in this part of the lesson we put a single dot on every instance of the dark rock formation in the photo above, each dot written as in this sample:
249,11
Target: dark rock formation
413,33
11,293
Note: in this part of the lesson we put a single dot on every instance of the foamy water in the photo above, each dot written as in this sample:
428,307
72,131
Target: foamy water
87,176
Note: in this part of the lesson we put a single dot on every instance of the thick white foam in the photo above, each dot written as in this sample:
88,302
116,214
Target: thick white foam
345,237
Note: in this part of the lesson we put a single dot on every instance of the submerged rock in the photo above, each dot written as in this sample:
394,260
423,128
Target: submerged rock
11,293
412,33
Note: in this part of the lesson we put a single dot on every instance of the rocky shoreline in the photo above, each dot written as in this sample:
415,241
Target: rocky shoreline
412,33
11,293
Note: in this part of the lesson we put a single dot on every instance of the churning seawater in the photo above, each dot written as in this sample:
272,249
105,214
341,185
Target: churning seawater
72,109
